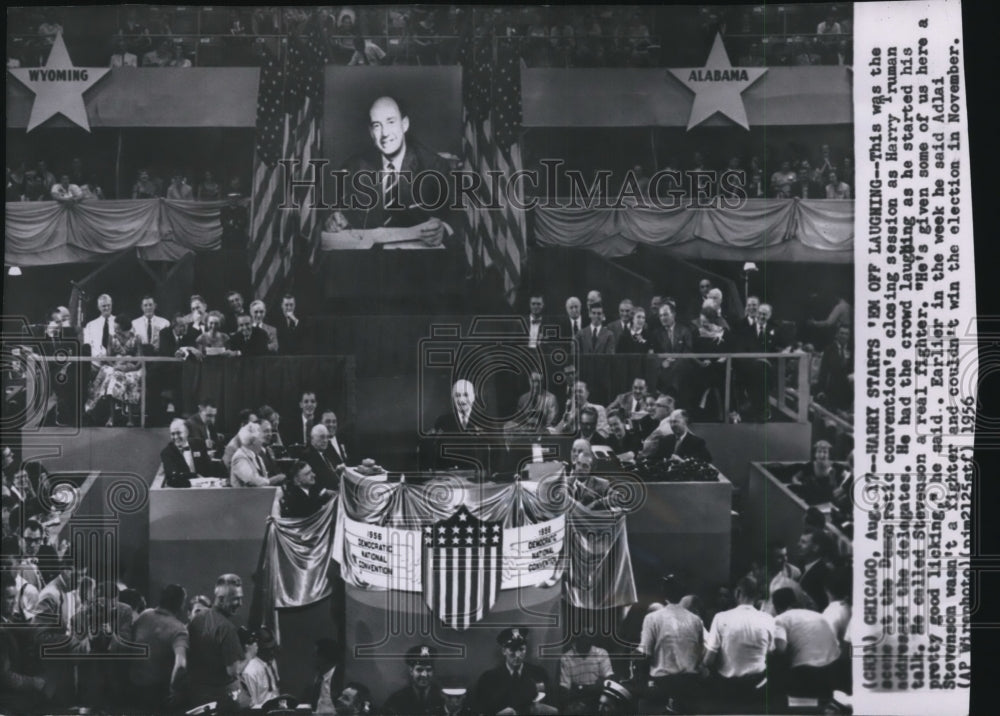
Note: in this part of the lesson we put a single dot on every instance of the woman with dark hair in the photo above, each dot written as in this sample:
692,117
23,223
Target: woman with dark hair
636,338
820,478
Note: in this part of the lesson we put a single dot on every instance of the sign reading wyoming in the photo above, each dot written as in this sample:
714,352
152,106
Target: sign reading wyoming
59,87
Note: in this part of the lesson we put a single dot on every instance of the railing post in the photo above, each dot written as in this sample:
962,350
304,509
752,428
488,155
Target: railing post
142,396
729,382
804,388
782,398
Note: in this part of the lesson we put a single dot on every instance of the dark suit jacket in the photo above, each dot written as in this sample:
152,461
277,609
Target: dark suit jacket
295,340
605,342
398,214
197,430
617,328
682,342
169,342
691,446
297,503
630,443
497,689
833,382
176,470
340,457
628,344
592,492
812,581
449,424
255,345
291,429
768,341
324,465
744,336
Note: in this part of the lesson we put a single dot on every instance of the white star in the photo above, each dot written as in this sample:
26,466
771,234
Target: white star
456,529
717,94
463,517
59,96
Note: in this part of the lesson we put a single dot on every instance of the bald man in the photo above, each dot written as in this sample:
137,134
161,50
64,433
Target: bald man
462,418
397,183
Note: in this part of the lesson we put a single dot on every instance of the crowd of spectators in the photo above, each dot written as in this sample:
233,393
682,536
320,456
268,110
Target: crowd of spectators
780,630
701,325
612,36
823,174
77,182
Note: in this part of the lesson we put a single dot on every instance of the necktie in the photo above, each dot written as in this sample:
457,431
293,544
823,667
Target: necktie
390,182
149,330
670,338
576,326
105,335
595,334
188,458
260,465
305,430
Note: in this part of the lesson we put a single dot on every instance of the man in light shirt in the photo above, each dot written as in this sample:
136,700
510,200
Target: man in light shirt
536,305
147,327
812,648
673,643
64,191
737,649
97,333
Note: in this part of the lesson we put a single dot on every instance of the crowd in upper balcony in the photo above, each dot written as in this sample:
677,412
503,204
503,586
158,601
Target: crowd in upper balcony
609,36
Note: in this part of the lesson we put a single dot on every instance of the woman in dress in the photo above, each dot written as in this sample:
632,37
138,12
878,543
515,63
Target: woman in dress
820,478
144,187
635,339
116,391
209,189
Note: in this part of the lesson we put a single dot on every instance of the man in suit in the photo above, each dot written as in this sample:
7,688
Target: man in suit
535,307
183,459
581,485
675,441
297,430
303,497
835,388
201,427
653,315
573,320
745,330
657,410
178,339
248,341
631,402
624,320
756,375
236,309
198,318
538,408
322,459
596,338
338,451
624,443
573,417
293,333
147,327
388,173
813,547
257,312
461,418
97,333
671,337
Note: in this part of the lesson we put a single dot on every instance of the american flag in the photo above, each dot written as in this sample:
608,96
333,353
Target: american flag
491,95
289,116
462,568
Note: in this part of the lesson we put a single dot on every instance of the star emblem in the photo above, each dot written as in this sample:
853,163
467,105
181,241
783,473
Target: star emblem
59,87
718,87
463,517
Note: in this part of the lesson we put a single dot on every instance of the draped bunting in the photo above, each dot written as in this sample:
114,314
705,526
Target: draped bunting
298,561
49,232
823,229
595,550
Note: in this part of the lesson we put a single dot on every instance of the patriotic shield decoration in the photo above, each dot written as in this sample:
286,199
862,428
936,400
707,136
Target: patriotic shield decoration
462,568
